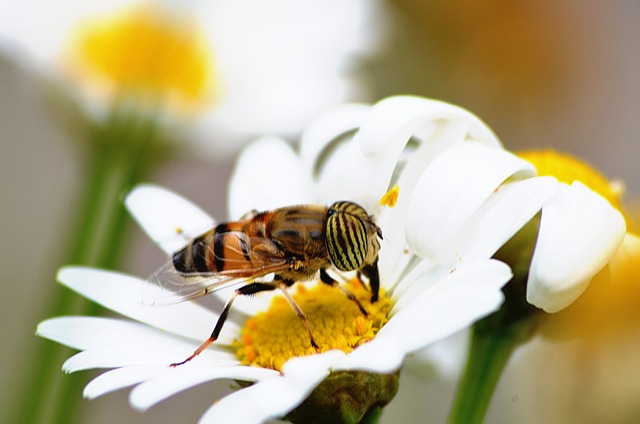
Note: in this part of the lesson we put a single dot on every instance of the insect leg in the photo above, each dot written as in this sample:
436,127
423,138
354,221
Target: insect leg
326,278
245,290
282,285
371,272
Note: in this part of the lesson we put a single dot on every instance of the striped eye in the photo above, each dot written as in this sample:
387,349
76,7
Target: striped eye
346,235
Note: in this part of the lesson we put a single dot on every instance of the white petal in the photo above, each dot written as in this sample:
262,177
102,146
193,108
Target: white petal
185,376
323,131
312,367
397,118
122,293
579,232
161,351
108,342
430,278
274,397
88,332
382,355
418,280
362,169
467,295
501,216
169,219
490,273
268,175
342,176
120,378
451,190
396,253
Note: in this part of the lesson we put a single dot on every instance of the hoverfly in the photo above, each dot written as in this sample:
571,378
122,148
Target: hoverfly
292,243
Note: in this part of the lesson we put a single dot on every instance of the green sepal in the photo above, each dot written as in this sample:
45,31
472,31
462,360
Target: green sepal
348,397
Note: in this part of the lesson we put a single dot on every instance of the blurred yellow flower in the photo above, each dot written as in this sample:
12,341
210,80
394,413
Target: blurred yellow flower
242,68
609,308
146,51
594,378
567,169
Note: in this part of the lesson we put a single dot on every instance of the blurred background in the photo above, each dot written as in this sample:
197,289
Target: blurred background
541,73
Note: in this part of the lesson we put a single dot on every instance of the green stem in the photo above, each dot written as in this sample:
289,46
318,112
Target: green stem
128,173
44,379
489,353
493,340
123,148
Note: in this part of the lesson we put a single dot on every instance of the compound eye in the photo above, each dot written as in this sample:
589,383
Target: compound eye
346,239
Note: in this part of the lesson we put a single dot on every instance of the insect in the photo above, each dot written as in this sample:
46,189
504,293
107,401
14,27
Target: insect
292,243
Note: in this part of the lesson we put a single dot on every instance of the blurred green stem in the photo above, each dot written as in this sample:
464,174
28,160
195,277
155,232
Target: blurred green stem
123,149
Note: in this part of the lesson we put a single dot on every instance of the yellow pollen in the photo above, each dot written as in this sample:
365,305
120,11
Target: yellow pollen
390,198
249,353
360,324
251,323
276,335
246,338
146,51
567,169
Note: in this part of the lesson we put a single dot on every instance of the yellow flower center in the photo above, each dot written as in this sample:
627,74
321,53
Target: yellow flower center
390,198
276,335
145,51
568,169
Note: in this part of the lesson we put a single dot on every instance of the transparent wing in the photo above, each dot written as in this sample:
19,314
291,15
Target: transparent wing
167,286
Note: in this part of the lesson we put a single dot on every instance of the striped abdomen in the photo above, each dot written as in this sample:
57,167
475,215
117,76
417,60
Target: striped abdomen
226,246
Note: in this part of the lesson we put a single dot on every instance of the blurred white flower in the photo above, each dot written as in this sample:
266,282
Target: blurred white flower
242,68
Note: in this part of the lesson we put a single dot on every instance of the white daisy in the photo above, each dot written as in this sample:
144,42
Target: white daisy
436,274
245,67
